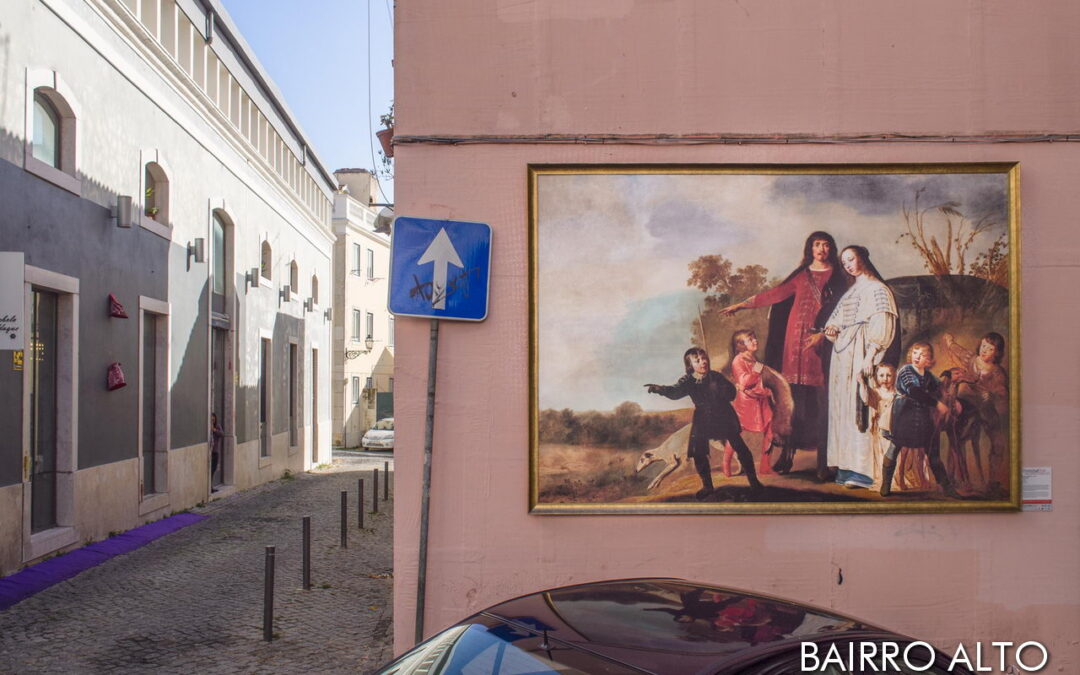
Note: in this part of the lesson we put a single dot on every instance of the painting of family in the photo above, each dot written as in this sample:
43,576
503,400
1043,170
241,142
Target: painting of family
679,367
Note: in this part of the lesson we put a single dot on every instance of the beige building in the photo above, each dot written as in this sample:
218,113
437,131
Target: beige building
363,353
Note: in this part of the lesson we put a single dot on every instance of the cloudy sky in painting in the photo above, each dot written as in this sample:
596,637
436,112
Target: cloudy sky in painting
614,308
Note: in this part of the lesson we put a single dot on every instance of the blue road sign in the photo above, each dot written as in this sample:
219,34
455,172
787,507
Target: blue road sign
439,269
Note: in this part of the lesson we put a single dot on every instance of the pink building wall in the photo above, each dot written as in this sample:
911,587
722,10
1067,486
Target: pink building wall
523,68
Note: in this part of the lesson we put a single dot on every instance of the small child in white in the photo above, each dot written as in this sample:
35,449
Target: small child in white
881,396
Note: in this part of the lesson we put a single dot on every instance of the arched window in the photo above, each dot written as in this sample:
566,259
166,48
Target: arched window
50,132
294,277
266,265
156,193
219,255
315,289
46,142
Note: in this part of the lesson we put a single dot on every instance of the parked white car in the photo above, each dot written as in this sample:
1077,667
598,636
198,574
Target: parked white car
380,436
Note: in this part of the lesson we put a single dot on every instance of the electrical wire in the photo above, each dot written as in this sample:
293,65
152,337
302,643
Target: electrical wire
371,131
390,19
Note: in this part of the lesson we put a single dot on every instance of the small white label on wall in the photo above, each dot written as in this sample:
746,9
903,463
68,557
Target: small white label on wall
1037,488
12,319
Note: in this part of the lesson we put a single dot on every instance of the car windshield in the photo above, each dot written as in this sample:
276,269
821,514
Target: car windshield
491,647
385,425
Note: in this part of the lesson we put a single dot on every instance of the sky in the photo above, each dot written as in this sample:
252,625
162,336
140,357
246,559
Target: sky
317,55
614,309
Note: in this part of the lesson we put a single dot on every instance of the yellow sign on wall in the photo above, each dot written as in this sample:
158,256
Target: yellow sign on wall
17,359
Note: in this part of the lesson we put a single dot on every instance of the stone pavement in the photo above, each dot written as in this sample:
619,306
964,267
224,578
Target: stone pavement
191,602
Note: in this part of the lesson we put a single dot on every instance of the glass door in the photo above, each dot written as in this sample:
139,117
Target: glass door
149,404
41,364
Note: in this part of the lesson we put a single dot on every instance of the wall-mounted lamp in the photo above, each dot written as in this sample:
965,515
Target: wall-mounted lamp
251,277
284,293
121,212
369,343
196,249
328,315
309,305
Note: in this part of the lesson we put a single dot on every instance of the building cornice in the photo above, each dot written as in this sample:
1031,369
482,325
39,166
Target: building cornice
227,146
349,225
262,79
375,237
115,12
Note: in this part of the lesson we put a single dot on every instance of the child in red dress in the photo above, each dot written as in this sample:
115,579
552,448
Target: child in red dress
753,402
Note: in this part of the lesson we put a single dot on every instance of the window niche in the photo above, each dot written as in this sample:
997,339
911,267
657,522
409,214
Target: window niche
221,259
156,193
266,262
50,146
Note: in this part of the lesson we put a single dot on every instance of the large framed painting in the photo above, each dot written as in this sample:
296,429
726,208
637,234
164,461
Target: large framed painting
774,339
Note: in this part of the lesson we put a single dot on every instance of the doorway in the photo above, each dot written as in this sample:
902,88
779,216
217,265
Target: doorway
265,360
314,407
42,364
149,404
218,383
294,395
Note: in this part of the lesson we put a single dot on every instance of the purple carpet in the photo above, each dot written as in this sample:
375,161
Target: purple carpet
35,578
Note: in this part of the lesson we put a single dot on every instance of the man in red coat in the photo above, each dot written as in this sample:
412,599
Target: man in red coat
800,305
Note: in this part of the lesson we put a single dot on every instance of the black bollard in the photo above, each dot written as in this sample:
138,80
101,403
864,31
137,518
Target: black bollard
386,481
375,493
268,596
360,503
307,553
344,519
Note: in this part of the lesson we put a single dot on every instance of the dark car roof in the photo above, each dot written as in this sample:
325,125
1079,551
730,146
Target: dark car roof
666,625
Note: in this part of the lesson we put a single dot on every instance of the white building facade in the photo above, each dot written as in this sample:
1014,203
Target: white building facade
363,376
146,156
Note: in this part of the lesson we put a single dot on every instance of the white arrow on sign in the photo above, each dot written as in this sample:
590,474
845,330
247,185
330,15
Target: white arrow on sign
440,251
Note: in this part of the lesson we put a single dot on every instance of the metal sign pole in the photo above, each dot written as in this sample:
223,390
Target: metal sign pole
425,495
439,270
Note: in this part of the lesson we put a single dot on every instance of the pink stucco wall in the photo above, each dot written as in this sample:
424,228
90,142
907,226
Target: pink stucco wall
509,67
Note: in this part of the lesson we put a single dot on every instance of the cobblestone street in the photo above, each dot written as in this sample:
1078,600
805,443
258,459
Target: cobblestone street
191,602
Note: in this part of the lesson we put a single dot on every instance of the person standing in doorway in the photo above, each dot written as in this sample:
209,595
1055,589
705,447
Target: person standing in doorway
217,442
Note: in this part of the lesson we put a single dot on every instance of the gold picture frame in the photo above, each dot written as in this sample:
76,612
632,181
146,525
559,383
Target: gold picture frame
635,269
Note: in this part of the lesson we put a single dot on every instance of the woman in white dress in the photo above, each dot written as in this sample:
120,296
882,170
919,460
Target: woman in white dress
864,329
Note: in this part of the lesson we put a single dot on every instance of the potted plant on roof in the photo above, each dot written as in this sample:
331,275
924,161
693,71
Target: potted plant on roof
386,136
